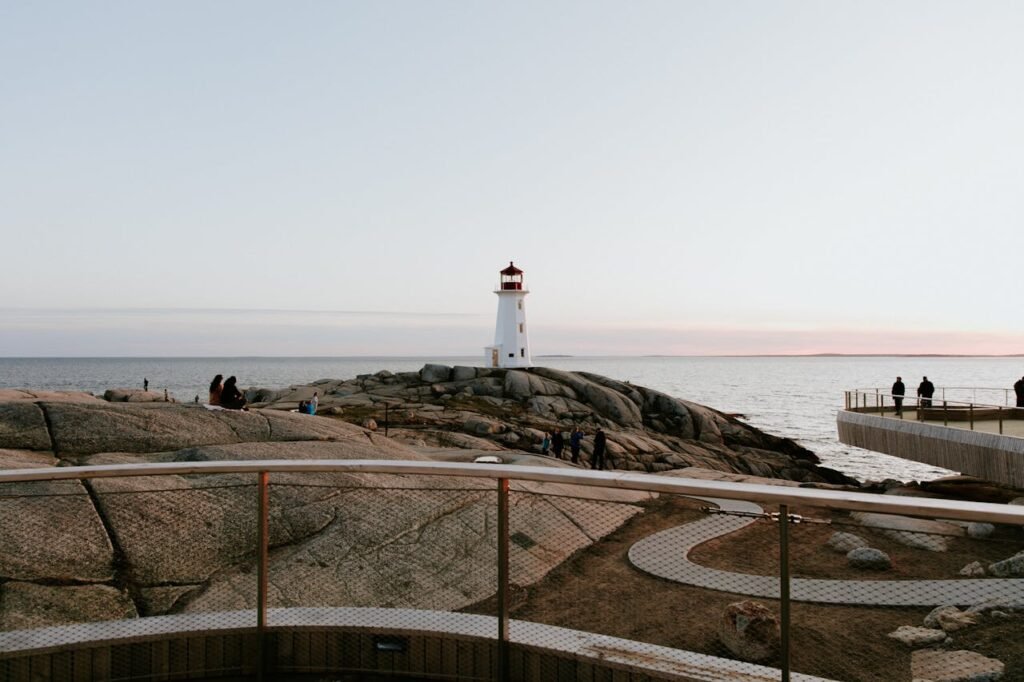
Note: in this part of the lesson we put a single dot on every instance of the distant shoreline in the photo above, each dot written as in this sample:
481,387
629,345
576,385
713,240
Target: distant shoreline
466,357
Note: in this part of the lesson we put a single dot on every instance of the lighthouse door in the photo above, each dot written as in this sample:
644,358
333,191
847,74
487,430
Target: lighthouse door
494,357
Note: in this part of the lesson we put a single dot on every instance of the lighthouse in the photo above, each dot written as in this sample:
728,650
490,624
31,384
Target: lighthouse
511,343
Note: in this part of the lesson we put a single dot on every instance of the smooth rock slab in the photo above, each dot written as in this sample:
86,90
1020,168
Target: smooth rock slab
933,665
917,533
27,605
23,427
49,530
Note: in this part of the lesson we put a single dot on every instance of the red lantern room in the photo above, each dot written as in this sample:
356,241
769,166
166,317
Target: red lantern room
511,278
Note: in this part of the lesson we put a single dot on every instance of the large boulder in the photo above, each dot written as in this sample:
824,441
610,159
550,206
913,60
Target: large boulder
133,395
23,426
1008,568
869,558
750,631
431,374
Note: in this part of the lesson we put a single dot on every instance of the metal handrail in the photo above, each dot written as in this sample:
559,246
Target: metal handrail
793,496
784,497
940,393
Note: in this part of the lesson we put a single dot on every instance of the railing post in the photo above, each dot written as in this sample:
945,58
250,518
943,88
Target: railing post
945,413
999,412
503,580
784,591
263,542
970,409
386,406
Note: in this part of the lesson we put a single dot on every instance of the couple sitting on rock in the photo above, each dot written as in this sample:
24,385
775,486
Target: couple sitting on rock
309,406
227,395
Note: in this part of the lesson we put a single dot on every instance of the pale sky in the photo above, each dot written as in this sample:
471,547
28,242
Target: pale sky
345,178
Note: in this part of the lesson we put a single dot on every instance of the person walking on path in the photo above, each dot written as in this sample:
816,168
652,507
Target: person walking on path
557,444
925,391
898,391
574,444
216,388
1018,388
597,461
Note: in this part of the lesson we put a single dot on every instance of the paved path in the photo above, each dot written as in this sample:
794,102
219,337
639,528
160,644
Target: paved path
666,555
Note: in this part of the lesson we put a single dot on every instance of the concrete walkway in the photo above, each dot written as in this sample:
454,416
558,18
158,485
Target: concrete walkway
666,554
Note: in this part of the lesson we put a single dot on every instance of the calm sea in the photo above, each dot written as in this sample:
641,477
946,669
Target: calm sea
794,397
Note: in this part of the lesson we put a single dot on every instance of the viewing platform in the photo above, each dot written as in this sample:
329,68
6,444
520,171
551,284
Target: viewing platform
974,438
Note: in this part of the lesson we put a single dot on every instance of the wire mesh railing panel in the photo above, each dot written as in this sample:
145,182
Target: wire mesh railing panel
386,552
880,596
624,572
115,559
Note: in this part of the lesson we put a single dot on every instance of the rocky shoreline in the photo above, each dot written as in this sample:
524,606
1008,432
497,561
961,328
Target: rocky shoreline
511,409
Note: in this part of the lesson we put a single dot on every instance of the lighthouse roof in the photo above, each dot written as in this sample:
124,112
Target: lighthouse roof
511,270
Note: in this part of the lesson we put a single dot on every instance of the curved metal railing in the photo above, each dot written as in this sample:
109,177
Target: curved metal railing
551,484
936,408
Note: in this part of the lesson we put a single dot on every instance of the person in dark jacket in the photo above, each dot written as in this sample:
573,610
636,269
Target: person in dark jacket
597,461
557,444
925,391
1018,388
231,398
575,439
898,391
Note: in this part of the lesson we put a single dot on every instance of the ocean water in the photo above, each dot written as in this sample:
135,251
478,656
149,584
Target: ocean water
796,397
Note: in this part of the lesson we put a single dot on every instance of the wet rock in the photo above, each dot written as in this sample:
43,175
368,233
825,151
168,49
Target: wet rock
750,631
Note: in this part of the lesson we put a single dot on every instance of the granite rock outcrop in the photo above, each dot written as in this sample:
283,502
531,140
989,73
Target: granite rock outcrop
112,548
512,409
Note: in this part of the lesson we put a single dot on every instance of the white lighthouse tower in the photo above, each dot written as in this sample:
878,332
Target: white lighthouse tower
511,343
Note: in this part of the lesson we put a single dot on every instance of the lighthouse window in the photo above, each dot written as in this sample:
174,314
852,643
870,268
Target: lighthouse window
520,304
522,352
520,327
511,355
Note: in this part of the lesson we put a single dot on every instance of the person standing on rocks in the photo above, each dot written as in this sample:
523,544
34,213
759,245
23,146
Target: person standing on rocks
925,391
315,402
1018,388
545,443
597,461
557,444
575,439
216,388
898,391
145,384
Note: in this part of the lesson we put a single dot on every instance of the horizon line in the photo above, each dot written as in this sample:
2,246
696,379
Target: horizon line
544,355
